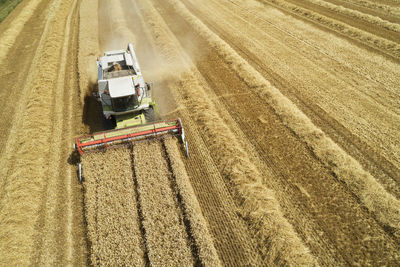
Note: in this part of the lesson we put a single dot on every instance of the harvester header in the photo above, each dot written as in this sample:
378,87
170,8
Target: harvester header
127,106
103,140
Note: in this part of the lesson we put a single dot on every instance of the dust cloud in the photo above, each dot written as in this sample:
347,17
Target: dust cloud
127,21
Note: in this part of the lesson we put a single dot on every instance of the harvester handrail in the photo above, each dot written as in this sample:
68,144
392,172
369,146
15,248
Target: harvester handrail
131,127
128,136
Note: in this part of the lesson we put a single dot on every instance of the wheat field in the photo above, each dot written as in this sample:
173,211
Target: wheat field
291,110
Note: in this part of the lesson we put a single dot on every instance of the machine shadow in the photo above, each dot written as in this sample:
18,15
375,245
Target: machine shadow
92,114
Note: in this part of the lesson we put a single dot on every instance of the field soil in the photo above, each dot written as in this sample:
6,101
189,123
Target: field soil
291,110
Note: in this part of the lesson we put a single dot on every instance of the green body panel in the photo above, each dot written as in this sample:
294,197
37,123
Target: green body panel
129,120
134,119
146,100
107,108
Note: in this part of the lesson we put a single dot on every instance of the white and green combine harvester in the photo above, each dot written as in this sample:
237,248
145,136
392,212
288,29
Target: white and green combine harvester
128,108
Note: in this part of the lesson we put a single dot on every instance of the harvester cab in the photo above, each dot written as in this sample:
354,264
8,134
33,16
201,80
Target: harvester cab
128,110
125,97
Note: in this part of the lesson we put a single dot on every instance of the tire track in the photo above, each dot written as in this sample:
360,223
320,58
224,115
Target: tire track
48,250
88,47
165,235
9,145
343,165
385,47
370,157
365,22
111,209
126,226
112,17
9,36
390,3
75,229
362,62
233,241
223,82
378,10
246,185
24,173
203,243
14,71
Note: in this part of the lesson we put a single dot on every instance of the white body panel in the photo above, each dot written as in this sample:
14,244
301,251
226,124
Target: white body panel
122,86
128,59
122,81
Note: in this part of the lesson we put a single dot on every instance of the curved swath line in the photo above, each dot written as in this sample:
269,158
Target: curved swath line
314,46
371,193
49,231
258,203
7,39
10,145
386,47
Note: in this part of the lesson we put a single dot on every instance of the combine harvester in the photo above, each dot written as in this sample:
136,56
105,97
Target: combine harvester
127,106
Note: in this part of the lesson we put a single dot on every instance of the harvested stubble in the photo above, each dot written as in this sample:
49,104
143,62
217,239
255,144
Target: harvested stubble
119,32
88,46
384,45
358,15
9,36
192,211
111,209
276,238
370,192
165,234
232,239
22,165
378,6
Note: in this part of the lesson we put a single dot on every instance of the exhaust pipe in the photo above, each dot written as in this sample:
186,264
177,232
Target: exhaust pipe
130,48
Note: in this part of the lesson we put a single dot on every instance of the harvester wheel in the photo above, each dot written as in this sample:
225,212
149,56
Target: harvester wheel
149,114
80,172
108,124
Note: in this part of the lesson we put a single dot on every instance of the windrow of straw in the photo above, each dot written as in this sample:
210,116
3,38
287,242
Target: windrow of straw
381,44
167,241
56,235
22,167
111,209
233,241
358,15
378,6
88,46
373,196
277,240
9,36
198,226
